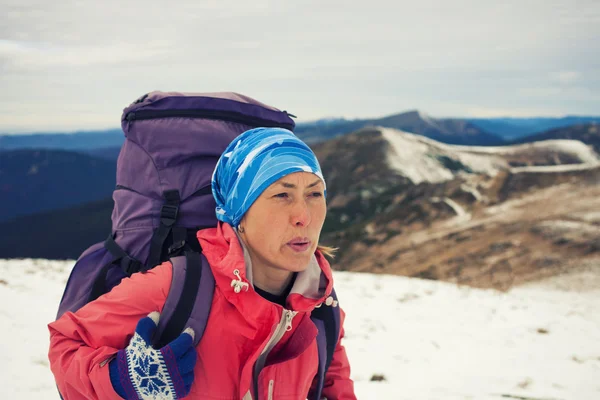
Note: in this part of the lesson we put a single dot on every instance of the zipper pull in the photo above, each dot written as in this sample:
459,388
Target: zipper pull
288,319
290,115
238,284
109,359
141,99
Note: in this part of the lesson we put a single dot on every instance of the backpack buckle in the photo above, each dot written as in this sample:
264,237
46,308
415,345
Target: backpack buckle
168,214
176,247
130,266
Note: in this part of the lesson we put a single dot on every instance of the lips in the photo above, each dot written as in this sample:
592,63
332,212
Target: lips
299,244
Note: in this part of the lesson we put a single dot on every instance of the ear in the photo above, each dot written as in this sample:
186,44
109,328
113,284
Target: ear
240,227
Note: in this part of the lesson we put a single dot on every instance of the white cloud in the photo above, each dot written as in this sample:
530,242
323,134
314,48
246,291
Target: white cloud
566,77
312,57
40,56
474,111
565,91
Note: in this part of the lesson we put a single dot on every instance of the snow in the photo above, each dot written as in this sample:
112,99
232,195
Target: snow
417,157
459,210
556,168
576,148
29,293
562,226
430,340
426,118
476,193
461,214
434,340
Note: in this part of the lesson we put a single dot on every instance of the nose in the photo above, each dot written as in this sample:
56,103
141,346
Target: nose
300,214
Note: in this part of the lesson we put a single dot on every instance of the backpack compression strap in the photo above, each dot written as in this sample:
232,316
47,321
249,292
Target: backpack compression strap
128,264
168,216
189,300
327,320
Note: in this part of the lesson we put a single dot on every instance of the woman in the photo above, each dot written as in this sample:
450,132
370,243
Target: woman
270,275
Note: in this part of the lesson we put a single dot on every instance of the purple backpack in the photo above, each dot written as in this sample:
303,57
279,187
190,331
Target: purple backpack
163,197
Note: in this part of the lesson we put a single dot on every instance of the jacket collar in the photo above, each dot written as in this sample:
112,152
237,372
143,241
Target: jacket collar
225,254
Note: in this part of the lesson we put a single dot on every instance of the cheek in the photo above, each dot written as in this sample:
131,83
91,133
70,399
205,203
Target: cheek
271,244
319,214
269,232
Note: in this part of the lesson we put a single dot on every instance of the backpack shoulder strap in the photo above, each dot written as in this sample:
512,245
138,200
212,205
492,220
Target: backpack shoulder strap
189,300
327,320
129,266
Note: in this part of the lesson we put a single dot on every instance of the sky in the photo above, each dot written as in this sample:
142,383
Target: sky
74,65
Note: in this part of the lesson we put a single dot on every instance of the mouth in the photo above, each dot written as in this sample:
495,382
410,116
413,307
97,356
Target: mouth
299,245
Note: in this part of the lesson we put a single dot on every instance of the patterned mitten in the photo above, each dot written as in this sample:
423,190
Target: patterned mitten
142,372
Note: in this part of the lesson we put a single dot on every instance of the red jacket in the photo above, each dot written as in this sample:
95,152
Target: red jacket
238,330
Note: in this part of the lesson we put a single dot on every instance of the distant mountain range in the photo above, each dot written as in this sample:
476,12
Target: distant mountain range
106,153
587,133
516,128
384,174
40,180
465,131
64,141
451,131
402,203
495,217
57,234
392,195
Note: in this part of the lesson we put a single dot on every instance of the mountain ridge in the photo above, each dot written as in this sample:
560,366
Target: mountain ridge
42,179
466,219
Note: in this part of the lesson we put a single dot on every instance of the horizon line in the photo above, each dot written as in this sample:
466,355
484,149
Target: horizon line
73,131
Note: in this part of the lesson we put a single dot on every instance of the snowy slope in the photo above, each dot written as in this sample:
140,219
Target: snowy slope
578,149
416,157
430,340
426,118
556,168
419,158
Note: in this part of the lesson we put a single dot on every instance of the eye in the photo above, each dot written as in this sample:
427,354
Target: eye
281,195
316,194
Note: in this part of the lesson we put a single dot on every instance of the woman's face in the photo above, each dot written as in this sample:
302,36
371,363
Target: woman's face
282,227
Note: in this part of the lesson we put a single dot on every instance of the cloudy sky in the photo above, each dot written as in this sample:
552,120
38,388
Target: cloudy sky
70,65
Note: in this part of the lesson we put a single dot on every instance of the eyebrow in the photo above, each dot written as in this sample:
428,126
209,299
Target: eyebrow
292,186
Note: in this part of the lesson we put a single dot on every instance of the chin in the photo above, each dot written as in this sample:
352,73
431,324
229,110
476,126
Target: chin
297,265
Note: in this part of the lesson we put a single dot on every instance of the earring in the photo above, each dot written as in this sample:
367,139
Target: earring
240,229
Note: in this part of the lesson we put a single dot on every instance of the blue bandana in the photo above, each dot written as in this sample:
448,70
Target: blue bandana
251,163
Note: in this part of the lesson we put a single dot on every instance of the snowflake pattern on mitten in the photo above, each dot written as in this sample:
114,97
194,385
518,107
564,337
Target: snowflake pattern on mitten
142,372
148,371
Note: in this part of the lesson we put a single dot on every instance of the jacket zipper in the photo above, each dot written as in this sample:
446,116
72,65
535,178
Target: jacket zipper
271,384
210,114
109,359
284,325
